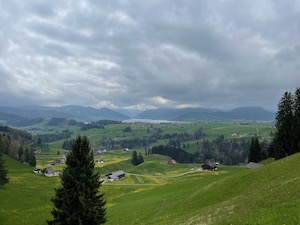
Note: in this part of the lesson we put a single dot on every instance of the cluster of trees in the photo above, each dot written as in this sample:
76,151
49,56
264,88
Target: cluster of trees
19,135
27,156
287,137
3,171
126,143
225,151
58,122
45,138
11,141
228,152
257,152
177,139
67,144
127,129
137,158
78,201
174,139
100,124
178,154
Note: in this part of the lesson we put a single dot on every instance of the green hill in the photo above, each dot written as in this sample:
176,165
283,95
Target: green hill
231,195
268,195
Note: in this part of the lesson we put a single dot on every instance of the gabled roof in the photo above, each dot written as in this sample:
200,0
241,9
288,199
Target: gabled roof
116,175
49,170
210,162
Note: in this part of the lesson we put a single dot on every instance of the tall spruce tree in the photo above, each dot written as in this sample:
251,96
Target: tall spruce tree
296,147
3,171
140,158
32,159
283,140
135,159
255,153
78,201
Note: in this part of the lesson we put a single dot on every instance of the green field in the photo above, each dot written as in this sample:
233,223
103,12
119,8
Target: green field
156,192
140,130
153,194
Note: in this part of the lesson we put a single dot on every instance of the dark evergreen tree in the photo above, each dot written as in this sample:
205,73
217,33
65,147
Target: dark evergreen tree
3,171
255,154
284,138
140,158
296,147
134,160
78,202
31,158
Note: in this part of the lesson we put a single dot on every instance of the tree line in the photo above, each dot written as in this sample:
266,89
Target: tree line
27,156
45,138
228,152
11,143
174,139
100,124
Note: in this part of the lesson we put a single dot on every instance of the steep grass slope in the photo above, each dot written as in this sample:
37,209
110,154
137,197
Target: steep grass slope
268,195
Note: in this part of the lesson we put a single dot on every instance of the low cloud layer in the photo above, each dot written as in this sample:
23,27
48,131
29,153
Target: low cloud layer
148,54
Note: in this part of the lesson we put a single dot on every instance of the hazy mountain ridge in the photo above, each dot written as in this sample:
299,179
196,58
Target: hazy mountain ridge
9,114
196,114
27,114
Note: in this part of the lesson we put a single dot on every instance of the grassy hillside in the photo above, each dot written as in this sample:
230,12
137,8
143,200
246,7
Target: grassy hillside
152,194
26,198
268,195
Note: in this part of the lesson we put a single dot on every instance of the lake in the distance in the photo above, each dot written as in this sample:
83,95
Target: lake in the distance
150,121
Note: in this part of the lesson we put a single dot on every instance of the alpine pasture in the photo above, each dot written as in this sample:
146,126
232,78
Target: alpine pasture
156,192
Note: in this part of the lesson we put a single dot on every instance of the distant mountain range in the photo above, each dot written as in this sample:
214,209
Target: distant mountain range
203,114
30,114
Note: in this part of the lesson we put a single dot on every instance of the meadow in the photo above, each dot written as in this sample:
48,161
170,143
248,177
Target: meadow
231,195
156,192
140,130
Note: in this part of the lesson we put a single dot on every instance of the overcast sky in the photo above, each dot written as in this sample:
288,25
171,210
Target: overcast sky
149,54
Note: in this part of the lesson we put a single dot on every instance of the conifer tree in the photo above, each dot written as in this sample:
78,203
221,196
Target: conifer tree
140,158
3,171
32,159
283,140
255,154
78,201
296,147
134,160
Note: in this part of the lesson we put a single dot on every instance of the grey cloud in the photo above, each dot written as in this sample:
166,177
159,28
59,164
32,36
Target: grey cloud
149,54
